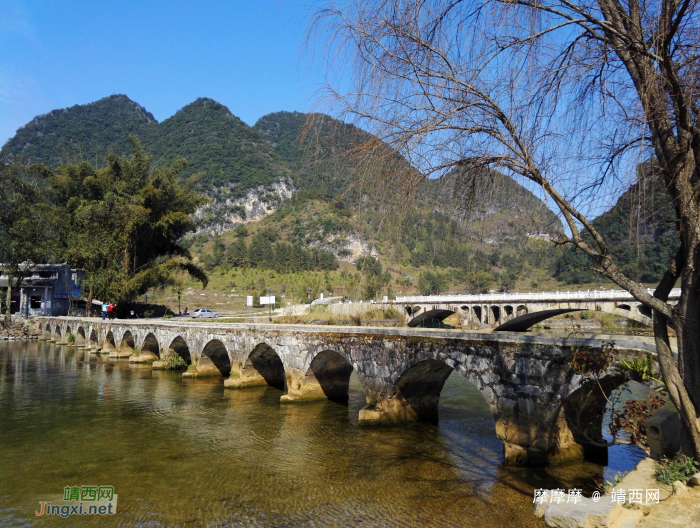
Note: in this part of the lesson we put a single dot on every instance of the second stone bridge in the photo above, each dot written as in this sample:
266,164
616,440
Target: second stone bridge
543,412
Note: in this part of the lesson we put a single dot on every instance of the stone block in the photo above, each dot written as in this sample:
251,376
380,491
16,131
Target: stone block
694,481
663,433
584,514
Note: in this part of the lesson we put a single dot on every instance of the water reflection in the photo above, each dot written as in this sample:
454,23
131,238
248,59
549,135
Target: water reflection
187,452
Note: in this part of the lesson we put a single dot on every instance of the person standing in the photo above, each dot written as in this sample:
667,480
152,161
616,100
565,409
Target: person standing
104,311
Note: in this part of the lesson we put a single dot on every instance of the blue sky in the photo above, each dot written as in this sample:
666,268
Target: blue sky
248,55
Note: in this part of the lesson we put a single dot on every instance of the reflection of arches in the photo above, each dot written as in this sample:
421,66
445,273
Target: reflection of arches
178,345
332,372
430,317
215,354
150,344
127,341
268,364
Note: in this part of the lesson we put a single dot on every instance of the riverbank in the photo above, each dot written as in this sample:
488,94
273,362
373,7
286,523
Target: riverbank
19,332
656,506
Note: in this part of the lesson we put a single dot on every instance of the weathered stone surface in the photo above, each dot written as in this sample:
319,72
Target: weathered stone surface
694,481
586,513
527,381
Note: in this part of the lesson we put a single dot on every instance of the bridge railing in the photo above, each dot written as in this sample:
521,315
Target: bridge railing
603,295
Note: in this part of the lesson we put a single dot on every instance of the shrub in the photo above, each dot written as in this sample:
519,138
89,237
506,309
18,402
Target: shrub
680,467
167,316
135,351
70,338
175,362
192,368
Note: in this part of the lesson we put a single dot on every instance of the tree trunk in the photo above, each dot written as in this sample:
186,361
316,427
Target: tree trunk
8,307
675,383
88,307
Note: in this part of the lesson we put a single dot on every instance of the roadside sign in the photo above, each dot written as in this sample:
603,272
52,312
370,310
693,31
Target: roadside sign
267,299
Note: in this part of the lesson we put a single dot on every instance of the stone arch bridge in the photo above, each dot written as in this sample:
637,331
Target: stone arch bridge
543,412
516,312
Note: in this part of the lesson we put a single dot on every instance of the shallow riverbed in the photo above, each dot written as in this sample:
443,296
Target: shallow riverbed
189,453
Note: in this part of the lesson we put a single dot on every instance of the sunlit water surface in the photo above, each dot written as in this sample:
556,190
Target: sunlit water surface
189,453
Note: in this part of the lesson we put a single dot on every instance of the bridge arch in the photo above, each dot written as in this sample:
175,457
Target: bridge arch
94,339
127,341
523,322
430,317
330,372
179,346
215,360
68,331
419,387
109,342
150,345
496,313
265,362
80,336
584,411
47,330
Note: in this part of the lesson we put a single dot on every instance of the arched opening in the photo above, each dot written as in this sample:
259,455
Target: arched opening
624,307
419,388
465,308
150,346
268,364
109,343
477,313
93,337
214,356
496,312
47,330
644,310
68,331
80,337
180,347
332,372
413,310
127,342
521,310
584,410
508,310
431,319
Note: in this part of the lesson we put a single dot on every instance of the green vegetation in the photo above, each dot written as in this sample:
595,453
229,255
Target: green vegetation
640,232
174,362
492,236
122,224
680,467
28,225
70,338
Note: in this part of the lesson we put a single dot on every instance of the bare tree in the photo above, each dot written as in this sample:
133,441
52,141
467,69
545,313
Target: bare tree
567,96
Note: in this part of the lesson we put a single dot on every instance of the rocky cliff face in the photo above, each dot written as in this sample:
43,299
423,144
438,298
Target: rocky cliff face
258,203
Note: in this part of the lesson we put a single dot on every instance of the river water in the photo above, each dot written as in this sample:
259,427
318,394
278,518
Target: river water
189,453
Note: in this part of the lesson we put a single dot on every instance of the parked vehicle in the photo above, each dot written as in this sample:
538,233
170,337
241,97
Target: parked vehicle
203,313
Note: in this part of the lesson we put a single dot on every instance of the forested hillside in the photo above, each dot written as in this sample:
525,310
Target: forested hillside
80,133
640,232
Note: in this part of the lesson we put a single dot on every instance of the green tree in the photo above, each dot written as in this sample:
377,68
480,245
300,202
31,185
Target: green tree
125,222
237,253
28,226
